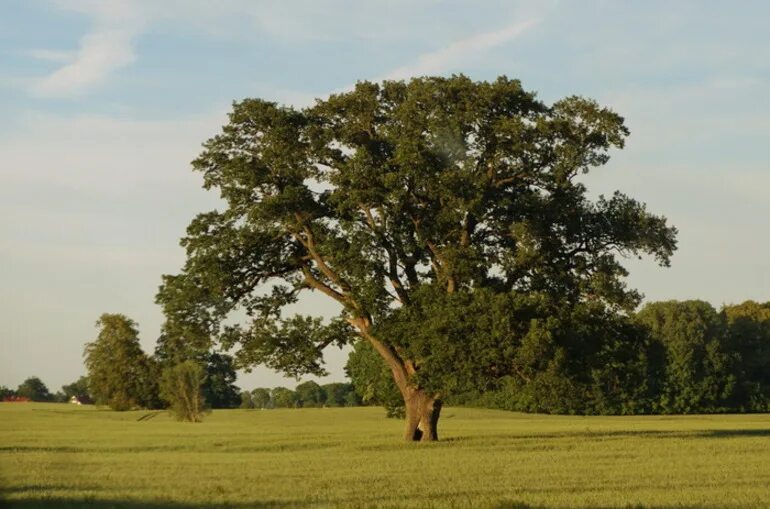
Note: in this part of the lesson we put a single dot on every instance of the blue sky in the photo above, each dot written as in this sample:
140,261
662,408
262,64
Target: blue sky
104,103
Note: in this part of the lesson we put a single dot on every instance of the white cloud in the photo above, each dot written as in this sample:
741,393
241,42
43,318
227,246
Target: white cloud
107,48
434,62
100,54
458,52
116,24
103,153
51,55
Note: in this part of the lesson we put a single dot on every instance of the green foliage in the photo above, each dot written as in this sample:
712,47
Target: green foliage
246,401
464,340
59,397
180,387
6,392
582,359
261,398
372,380
78,388
748,329
352,398
673,357
699,368
282,397
288,345
340,394
171,349
415,205
307,394
120,374
219,389
310,394
34,389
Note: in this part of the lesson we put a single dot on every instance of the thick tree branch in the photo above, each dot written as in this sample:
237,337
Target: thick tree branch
389,355
314,282
395,280
309,243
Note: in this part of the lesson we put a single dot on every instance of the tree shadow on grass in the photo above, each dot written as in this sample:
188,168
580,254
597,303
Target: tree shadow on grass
73,503
521,505
721,433
706,433
124,504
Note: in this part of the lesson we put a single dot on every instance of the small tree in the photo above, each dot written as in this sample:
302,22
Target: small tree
34,389
219,389
120,374
246,401
5,392
181,388
261,397
336,394
78,388
284,398
351,398
310,394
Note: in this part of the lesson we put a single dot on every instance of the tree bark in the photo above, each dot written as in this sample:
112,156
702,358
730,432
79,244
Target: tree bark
422,414
422,409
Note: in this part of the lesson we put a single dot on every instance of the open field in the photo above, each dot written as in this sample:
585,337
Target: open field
56,455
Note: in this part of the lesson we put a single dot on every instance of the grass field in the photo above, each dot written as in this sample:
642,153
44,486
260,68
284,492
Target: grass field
57,455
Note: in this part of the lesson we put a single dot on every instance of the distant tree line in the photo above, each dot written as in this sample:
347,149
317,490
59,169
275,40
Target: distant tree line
177,376
306,395
34,389
671,357
668,358
185,380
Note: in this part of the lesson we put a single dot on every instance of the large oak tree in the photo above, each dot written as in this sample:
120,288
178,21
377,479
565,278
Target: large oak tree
443,200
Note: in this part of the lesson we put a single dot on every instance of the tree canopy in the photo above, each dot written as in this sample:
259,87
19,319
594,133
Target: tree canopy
407,202
219,389
180,387
283,397
78,389
261,397
698,372
310,394
748,326
34,389
120,374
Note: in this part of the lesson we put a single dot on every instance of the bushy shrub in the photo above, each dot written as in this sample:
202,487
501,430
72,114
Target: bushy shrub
181,388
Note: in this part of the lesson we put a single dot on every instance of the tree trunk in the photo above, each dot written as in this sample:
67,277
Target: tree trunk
422,414
422,409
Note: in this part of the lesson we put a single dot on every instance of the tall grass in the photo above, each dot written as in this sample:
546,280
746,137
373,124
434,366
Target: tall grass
55,455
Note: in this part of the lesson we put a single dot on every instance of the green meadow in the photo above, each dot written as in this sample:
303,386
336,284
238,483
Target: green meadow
57,455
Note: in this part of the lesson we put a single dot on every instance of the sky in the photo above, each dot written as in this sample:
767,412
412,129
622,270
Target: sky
105,103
